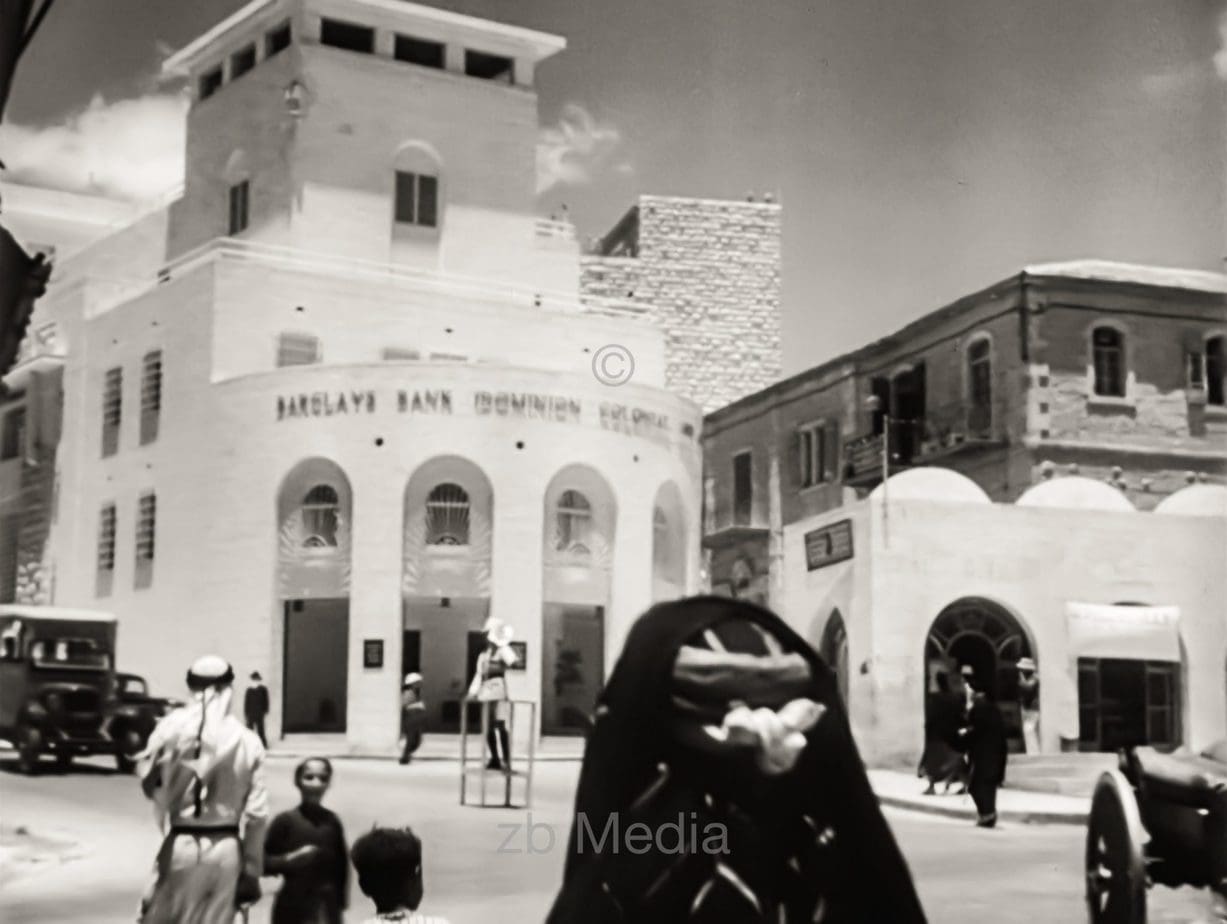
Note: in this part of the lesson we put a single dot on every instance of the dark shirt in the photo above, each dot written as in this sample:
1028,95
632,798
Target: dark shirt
321,886
255,702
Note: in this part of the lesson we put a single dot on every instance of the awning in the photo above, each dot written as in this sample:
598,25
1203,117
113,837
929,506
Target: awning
1141,633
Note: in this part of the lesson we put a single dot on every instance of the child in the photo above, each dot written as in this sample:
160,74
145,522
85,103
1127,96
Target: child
307,846
412,716
389,865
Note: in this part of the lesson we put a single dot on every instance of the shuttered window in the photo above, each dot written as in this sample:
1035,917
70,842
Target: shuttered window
151,395
818,453
980,387
106,538
112,406
146,524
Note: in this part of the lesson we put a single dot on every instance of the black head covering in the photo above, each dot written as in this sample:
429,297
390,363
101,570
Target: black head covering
822,811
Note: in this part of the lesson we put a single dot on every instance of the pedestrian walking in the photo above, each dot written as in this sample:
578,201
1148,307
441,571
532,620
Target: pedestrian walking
255,706
204,773
306,846
986,756
489,687
719,718
942,761
389,865
1029,704
412,716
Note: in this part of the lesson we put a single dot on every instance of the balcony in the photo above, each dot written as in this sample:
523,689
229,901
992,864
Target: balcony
740,528
919,442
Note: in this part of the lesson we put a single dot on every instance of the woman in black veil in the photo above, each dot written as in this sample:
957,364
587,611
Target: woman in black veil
722,722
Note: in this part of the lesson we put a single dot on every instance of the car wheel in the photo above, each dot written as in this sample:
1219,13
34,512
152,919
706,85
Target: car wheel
63,761
29,746
128,745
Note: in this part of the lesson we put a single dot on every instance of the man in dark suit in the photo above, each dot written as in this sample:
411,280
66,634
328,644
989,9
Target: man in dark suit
255,706
985,740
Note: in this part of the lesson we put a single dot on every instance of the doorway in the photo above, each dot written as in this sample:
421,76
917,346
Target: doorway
316,667
1122,703
435,642
573,666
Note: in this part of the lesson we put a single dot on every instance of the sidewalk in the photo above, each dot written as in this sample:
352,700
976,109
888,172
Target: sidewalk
898,789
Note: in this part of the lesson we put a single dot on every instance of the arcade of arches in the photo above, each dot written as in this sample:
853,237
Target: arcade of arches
449,522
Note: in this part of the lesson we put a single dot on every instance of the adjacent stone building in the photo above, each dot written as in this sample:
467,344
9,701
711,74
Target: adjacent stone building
708,273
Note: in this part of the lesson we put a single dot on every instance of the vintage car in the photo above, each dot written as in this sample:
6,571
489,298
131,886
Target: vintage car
1159,819
132,715
57,676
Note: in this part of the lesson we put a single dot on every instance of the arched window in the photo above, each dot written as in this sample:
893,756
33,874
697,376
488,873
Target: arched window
1215,370
416,195
447,516
1108,360
574,523
662,553
979,386
320,510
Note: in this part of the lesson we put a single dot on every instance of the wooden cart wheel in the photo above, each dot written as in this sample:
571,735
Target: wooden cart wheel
1115,860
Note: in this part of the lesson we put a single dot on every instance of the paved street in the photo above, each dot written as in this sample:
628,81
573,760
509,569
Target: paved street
1021,873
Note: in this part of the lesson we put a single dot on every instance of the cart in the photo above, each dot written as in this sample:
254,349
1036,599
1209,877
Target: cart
1158,819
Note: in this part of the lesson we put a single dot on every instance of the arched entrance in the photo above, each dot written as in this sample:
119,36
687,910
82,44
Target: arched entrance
834,651
313,569
977,633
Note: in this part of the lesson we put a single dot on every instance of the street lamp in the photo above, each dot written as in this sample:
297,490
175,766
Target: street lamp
873,404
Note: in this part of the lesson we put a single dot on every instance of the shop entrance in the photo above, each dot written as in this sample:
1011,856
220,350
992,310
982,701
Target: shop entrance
573,666
1123,702
316,668
984,636
437,643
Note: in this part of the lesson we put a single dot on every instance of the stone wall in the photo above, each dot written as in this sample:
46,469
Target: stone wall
709,272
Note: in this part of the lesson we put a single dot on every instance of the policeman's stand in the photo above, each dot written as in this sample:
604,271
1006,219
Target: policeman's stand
515,706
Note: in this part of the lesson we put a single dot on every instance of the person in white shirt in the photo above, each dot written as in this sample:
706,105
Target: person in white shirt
389,866
489,687
204,772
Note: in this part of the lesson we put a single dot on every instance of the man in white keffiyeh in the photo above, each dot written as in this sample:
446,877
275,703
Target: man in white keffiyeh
203,770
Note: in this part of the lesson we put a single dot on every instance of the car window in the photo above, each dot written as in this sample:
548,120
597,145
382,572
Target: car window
73,653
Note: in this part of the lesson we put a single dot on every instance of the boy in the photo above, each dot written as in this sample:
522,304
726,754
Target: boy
389,865
307,846
412,716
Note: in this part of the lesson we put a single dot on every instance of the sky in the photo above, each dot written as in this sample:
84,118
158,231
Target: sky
920,150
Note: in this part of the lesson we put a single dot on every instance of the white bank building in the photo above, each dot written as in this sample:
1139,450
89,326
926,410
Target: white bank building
342,400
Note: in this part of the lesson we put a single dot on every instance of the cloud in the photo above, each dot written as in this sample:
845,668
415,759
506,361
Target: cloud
130,149
1220,56
577,150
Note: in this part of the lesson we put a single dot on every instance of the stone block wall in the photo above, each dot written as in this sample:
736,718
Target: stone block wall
709,273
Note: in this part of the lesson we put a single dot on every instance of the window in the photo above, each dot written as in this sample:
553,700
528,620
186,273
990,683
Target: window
14,438
397,354
574,523
347,35
321,510
242,61
1108,355
1215,371
447,516
106,538
417,199
10,529
418,51
151,395
663,553
112,402
448,358
277,40
488,66
239,193
211,82
817,447
743,488
980,386
297,350
146,514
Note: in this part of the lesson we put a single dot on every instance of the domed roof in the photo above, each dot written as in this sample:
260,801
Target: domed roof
1075,492
1197,500
933,483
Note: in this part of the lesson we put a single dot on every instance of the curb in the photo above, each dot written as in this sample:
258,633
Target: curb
417,758
1018,817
